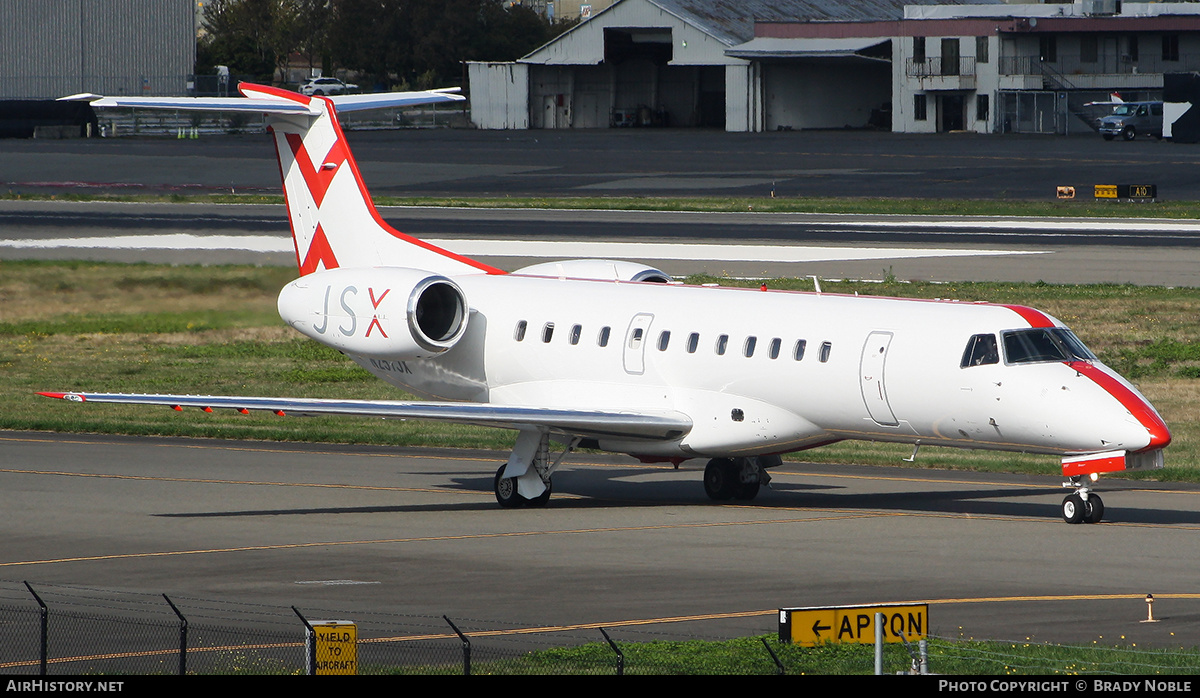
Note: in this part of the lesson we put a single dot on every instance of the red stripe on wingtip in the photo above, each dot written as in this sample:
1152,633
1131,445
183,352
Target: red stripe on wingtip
1160,435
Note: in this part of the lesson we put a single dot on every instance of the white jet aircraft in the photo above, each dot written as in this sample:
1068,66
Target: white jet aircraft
612,355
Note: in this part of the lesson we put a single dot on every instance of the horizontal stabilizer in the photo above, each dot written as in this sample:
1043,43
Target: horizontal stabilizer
228,104
272,100
656,425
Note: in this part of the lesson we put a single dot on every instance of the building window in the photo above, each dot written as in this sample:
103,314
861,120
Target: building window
981,49
1131,48
1089,48
1048,46
950,54
981,107
919,112
1170,44
918,49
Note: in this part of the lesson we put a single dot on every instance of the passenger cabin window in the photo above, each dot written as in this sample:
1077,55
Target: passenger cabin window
798,352
1044,344
519,333
775,345
981,350
576,330
826,347
693,342
722,344
664,339
548,332
602,338
635,338
748,347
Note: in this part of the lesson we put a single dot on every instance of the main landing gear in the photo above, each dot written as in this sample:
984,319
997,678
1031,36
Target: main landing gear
525,479
1082,506
737,478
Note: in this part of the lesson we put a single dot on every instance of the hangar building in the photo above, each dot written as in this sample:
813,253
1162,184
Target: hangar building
52,48
672,62
755,65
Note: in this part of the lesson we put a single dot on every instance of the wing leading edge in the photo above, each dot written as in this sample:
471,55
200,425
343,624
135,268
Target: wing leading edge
656,425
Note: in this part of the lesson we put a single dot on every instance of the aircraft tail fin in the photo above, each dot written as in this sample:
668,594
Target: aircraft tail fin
334,223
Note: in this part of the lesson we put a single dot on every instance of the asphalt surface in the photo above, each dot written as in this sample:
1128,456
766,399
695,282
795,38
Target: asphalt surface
414,534
633,162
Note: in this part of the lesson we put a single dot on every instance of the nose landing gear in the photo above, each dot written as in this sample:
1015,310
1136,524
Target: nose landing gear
1083,506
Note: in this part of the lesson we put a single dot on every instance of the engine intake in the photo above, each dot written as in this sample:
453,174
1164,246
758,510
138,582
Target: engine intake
382,312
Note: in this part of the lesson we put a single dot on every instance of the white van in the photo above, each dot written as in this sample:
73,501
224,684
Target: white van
1131,119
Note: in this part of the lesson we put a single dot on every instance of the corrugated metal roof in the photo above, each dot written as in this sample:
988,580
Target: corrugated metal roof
732,21
766,47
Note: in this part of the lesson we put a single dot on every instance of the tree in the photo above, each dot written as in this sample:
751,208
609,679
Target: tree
388,42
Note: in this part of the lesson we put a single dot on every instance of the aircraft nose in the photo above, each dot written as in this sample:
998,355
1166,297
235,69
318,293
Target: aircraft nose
1157,434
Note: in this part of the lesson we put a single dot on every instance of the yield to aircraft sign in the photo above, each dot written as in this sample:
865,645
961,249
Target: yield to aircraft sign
855,624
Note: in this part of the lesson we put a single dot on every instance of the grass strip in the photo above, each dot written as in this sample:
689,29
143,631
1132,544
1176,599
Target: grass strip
1082,208
747,656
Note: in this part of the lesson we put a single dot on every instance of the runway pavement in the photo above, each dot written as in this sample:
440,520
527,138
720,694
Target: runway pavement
1142,251
417,534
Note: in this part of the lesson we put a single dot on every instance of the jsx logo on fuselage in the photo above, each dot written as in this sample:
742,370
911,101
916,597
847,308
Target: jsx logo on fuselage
351,316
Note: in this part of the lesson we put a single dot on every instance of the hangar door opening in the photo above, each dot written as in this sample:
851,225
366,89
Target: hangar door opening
648,91
634,86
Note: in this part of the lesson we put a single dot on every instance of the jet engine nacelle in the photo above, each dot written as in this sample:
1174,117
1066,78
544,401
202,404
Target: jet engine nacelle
599,269
381,312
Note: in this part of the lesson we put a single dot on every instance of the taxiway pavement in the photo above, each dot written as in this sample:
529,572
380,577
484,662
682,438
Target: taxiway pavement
416,534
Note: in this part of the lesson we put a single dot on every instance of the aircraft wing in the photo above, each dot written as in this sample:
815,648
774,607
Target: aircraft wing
646,424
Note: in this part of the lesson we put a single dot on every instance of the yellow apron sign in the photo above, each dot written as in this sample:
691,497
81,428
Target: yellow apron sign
855,624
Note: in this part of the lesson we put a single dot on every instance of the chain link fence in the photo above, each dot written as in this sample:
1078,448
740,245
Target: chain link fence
54,630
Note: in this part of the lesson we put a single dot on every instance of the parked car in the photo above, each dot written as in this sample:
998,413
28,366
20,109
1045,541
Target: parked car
326,86
1130,119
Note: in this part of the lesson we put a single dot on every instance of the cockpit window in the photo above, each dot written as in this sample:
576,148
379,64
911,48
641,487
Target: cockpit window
981,350
1044,344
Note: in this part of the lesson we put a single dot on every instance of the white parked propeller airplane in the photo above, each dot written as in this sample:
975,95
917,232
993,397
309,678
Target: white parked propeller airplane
611,355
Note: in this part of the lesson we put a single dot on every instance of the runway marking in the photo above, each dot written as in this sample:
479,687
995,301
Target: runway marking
835,515
208,481
526,248
431,539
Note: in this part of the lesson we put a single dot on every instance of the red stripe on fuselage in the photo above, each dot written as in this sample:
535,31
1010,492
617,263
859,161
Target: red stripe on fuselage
1160,436
1033,316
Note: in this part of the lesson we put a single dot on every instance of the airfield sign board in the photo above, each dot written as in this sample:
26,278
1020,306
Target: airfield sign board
819,625
333,647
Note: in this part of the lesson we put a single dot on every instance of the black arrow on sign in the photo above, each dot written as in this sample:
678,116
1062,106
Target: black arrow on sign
817,627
